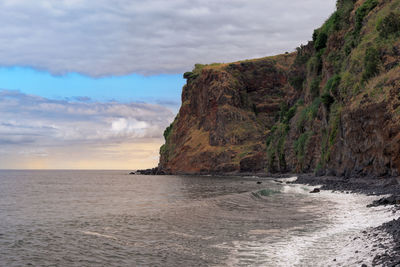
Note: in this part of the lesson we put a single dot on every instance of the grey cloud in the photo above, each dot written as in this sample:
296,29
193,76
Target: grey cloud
117,37
43,122
15,140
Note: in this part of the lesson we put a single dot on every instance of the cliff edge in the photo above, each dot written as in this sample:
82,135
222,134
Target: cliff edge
331,107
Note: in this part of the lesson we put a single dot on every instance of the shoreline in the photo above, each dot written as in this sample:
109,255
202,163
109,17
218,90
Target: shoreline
388,188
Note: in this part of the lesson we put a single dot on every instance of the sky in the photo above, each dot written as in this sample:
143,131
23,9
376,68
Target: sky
93,84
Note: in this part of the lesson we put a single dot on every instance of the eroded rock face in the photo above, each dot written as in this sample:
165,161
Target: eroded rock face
253,163
369,140
225,113
226,116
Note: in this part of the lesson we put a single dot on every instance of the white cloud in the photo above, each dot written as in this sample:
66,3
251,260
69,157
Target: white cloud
123,126
116,37
36,132
42,122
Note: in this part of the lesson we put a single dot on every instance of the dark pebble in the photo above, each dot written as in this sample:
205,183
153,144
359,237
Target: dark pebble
316,190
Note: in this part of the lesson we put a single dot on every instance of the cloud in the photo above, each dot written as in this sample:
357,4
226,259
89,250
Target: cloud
129,126
117,37
36,127
33,119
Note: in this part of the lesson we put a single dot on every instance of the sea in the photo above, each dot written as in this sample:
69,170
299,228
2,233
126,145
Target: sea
111,218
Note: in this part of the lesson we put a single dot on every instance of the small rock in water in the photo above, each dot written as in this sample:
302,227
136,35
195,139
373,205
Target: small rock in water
259,182
316,190
364,265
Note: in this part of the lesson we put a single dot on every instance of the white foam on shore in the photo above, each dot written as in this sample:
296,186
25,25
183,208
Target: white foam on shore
297,189
288,180
339,241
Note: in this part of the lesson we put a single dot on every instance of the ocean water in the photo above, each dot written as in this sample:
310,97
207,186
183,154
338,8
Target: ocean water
109,218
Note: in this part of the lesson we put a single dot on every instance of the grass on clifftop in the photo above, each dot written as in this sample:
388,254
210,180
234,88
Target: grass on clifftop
283,61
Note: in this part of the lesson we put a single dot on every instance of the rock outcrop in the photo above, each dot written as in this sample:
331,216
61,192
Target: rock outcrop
331,107
226,112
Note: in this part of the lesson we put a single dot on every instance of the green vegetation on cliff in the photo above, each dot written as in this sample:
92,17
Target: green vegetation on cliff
352,48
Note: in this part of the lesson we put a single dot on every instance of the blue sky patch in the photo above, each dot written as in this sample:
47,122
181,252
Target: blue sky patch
164,88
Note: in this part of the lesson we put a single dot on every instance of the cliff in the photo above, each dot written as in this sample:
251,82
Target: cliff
332,107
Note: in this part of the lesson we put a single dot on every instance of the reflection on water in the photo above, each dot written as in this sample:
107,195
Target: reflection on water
108,218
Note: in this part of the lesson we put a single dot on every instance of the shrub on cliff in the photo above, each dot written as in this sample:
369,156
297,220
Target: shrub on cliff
338,21
327,100
320,36
320,39
286,113
314,65
168,131
308,114
297,82
330,90
314,88
300,148
303,55
332,84
371,63
389,25
190,75
275,142
341,16
363,11
334,123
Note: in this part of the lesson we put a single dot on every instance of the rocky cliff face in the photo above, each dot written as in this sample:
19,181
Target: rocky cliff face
369,139
331,107
226,112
